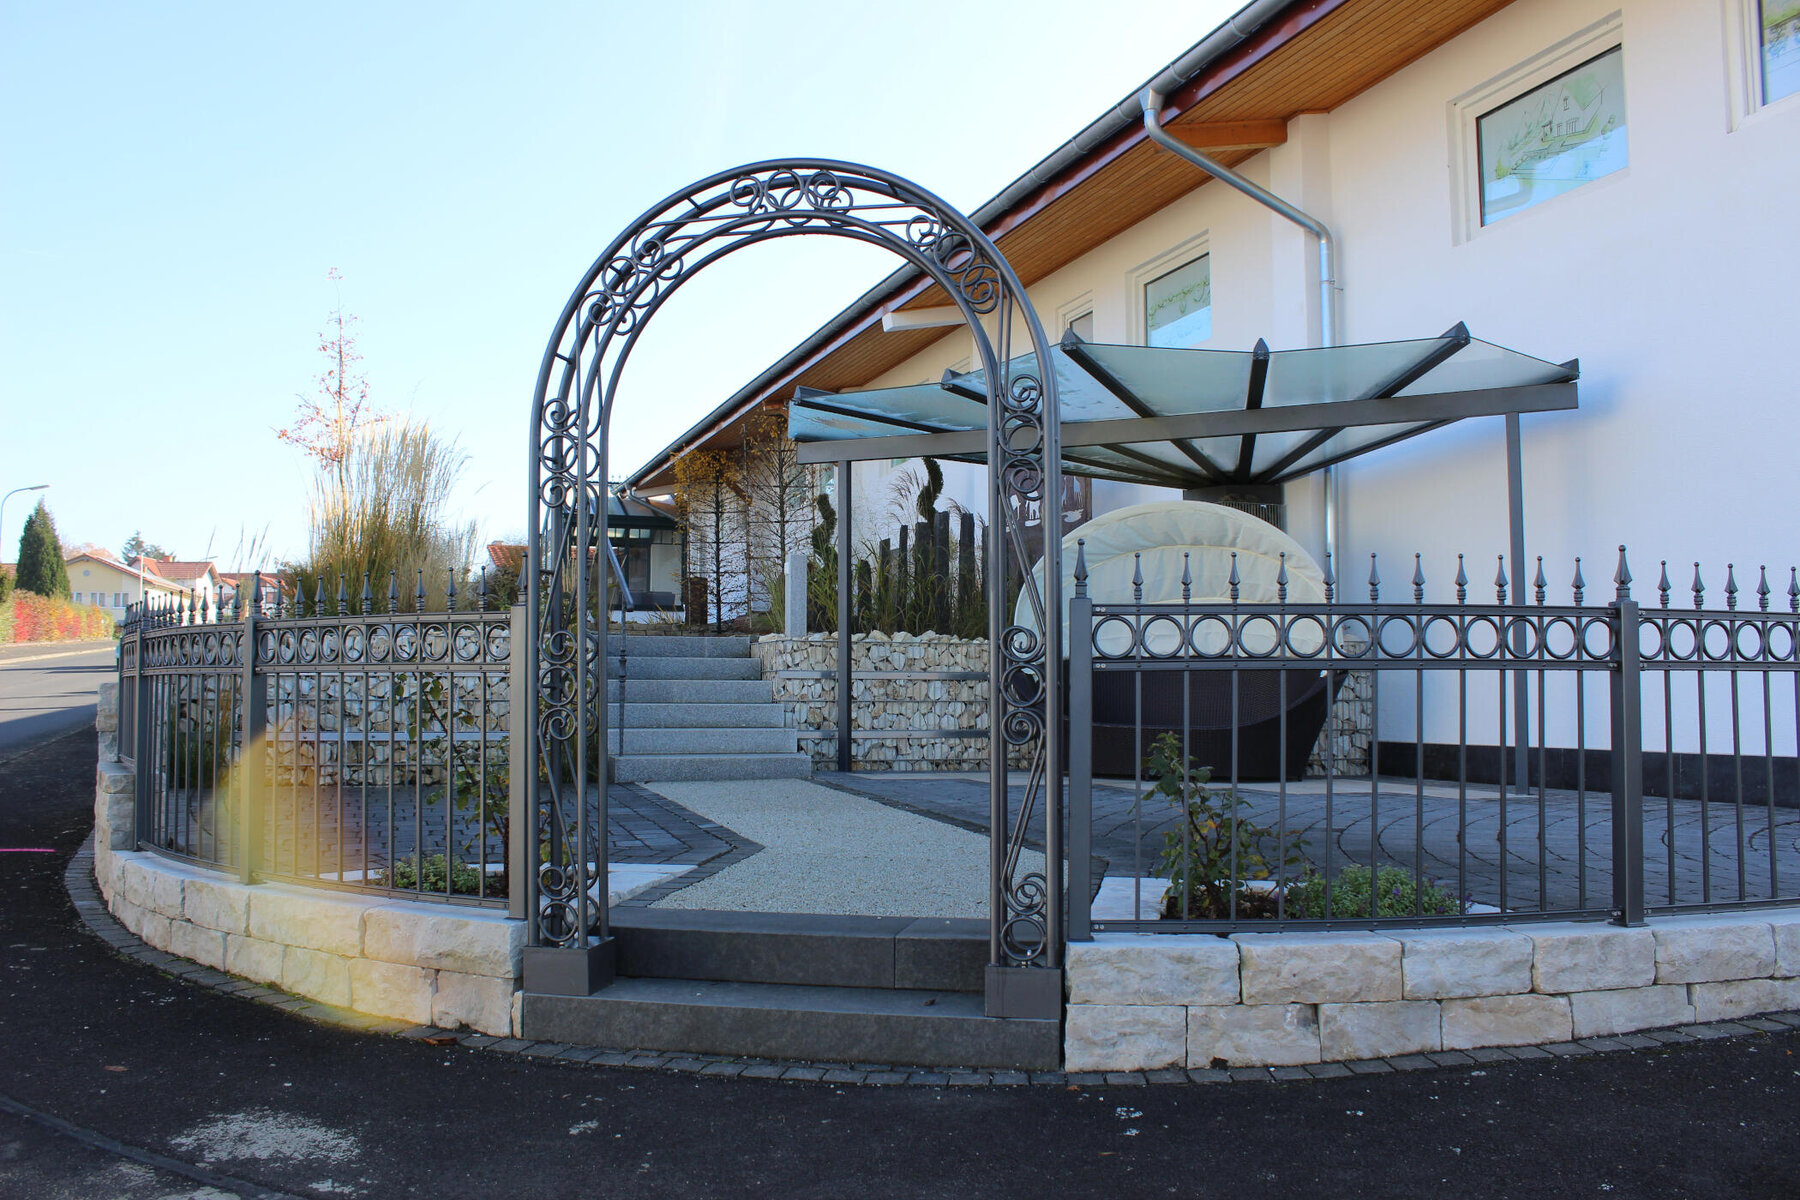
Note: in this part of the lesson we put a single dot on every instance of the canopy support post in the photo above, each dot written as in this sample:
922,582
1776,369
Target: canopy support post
1515,528
843,615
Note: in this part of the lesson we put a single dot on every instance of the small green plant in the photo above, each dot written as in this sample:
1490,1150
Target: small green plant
465,879
1395,894
1210,857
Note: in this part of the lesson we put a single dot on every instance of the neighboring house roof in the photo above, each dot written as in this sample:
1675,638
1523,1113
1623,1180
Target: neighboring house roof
151,578
1232,93
182,572
506,557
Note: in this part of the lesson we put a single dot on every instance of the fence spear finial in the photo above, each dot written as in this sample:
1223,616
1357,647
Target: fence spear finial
1699,589
1662,585
1580,583
449,592
1462,582
481,591
1622,577
393,590
1500,579
255,595
1794,589
419,592
368,596
1731,587
343,597
1762,589
1187,578
1540,585
1374,581
1234,579
1137,578
1081,571
1330,580
1418,580
1281,577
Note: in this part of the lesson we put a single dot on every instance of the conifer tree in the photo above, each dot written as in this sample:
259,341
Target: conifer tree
41,566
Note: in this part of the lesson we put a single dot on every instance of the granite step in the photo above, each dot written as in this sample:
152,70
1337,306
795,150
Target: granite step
692,715
691,740
688,691
688,667
684,768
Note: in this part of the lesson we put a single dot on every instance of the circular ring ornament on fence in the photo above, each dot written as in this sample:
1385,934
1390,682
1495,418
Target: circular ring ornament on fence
381,642
1210,637
1304,637
1681,639
1523,638
1408,629
1257,636
1435,629
1114,636
1561,641
355,644
1780,640
265,646
1023,685
228,649
499,642
1163,636
1606,647
1653,641
1716,648
212,649
1748,643
1350,637
309,646
466,642
286,646
406,643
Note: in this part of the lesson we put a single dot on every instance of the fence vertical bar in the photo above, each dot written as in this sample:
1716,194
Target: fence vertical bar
1627,767
845,649
1081,747
141,762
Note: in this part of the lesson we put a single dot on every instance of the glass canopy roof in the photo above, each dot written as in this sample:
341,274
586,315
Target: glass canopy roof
1200,418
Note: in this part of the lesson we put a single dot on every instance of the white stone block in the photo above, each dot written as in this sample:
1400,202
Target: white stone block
166,883
296,918
1318,968
1379,1030
314,973
115,821
1124,1037
134,880
1743,998
481,1002
153,929
1626,1010
386,989
106,706
1253,1035
130,915
1439,964
518,1010
1785,925
198,944
1505,1021
253,958
113,779
1709,949
425,935
1153,969
1590,957
217,904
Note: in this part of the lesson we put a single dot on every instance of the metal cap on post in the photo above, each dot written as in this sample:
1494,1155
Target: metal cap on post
1627,756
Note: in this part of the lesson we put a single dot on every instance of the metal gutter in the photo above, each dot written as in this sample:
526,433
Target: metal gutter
1118,119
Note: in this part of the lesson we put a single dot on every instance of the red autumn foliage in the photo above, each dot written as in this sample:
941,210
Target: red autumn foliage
29,617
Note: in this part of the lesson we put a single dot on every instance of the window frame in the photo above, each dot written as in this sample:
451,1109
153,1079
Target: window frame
1145,273
1467,110
1744,64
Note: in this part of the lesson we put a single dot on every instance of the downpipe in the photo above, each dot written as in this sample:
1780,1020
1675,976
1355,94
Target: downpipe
1151,100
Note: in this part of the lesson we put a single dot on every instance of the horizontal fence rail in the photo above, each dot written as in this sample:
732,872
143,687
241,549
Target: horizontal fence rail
1525,760
352,746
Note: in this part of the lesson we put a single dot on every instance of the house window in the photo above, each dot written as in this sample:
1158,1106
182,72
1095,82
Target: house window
1178,305
1779,43
1083,326
1554,138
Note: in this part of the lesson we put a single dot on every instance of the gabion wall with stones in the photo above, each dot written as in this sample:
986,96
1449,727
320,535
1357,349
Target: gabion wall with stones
902,712
802,670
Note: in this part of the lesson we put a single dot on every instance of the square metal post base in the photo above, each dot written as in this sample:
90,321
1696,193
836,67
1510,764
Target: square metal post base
570,971
1034,993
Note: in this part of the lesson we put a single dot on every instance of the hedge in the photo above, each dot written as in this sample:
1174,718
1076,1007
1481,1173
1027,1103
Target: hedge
29,617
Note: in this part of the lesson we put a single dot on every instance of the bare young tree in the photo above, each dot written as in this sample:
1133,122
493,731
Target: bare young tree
709,501
778,498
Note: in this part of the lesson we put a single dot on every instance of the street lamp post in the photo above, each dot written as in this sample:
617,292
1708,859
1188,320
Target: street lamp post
36,487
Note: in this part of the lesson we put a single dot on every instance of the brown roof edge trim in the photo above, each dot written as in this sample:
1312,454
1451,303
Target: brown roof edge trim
904,286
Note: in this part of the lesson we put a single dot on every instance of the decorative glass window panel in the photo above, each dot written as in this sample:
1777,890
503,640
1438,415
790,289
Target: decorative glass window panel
1083,326
1554,138
1780,49
1178,306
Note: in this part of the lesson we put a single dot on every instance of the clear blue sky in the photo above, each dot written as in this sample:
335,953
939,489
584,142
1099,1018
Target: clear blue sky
177,180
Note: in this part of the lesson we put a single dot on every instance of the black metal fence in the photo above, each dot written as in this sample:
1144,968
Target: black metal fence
1526,760
354,745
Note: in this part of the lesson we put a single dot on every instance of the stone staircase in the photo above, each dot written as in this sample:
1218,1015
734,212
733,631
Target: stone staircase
696,708
900,990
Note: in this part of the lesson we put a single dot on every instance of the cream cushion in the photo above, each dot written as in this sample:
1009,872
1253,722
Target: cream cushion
1157,536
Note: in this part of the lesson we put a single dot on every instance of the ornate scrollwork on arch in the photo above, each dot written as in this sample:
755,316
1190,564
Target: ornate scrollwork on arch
566,647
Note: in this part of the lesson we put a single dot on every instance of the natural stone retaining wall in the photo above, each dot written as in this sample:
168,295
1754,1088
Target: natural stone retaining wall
1144,1001
432,964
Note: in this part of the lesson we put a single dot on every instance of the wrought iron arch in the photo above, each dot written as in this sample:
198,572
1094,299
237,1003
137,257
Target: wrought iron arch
567,664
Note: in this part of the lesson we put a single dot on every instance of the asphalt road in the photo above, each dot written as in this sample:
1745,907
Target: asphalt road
47,689
157,1088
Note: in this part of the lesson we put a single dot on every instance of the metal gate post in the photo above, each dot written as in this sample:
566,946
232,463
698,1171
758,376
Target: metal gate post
1627,766
845,620
141,764
521,757
1081,752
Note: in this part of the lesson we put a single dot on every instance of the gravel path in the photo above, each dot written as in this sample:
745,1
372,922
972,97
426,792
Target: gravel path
826,851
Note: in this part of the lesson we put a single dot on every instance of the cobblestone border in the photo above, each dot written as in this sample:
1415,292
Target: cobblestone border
739,848
78,879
